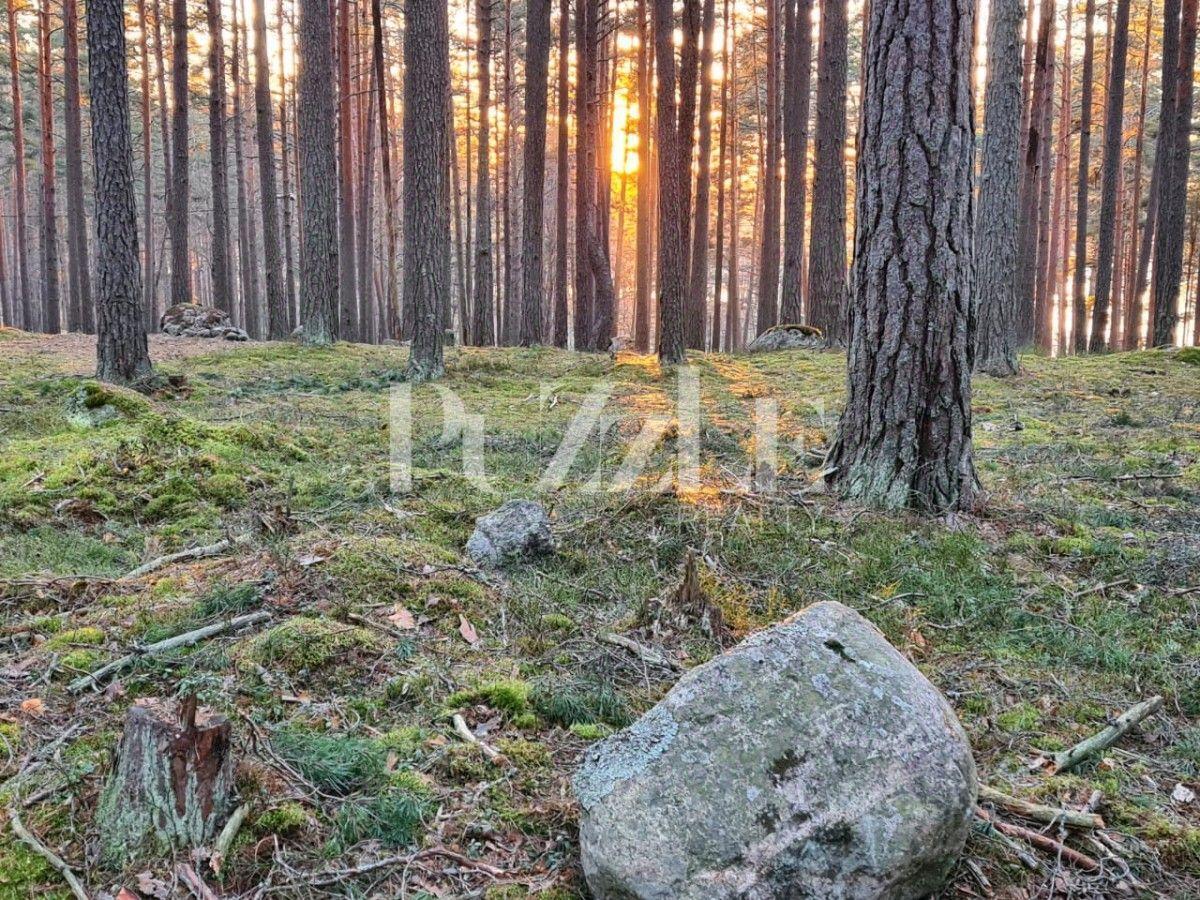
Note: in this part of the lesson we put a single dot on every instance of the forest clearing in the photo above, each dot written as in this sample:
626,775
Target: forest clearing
1072,597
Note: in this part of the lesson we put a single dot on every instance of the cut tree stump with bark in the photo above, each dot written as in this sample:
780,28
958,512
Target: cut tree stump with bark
172,784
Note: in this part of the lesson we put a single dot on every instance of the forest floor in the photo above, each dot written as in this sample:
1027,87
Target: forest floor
1073,595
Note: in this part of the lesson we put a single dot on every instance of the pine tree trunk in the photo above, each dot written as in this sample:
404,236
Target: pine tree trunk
537,63
585,169
483,328
28,319
643,260
563,176
391,304
121,353
827,244
768,270
714,339
82,316
732,293
904,439
153,313
996,223
147,170
1030,195
317,146
1079,287
289,263
1175,140
347,292
672,230
222,280
426,183
51,296
1111,179
698,260
181,282
797,66
277,307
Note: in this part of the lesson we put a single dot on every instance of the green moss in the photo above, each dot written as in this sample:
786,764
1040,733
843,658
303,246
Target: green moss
284,820
25,874
1189,355
87,635
303,644
526,755
1022,717
78,661
590,731
558,622
509,695
406,742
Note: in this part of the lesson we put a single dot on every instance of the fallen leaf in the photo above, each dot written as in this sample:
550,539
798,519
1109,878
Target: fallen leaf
126,894
310,559
1183,794
403,619
33,706
467,630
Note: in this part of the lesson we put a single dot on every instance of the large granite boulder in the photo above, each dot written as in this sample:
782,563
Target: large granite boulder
812,760
195,320
518,528
788,337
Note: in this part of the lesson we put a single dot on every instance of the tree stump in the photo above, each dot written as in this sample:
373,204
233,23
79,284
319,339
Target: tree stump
172,785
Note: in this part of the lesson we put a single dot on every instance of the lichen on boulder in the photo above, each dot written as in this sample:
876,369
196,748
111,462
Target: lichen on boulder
518,528
812,760
93,405
788,337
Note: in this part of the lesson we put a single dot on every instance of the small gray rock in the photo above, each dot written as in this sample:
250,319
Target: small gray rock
518,528
787,337
810,761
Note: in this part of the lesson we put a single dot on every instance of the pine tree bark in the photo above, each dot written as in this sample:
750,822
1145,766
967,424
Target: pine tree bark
147,170
483,329
28,319
797,67
768,270
537,64
1175,144
154,311
317,147
277,308
289,269
585,169
732,292
121,352
1110,187
904,439
1035,144
181,281
698,259
996,223
51,296
714,338
222,280
78,266
562,179
391,303
672,230
247,278
426,181
347,293
1079,286
643,261
827,244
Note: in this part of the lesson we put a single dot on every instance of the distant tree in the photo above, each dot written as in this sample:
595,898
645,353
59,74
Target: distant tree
143,28
672,230
562,176
797,77
426,182
222,274
537,63
996,222
181,266
121,352
164,126
28,318
827,244
483,329
278,324
1111,177
714,341
317,145
51,297
347,287
82,317
586,17
1079,287
1174,140
698,260
643,253
768,270
904,439
732,291
391,302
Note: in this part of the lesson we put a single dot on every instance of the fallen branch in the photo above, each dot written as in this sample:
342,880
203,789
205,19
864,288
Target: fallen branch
180,640
183,556
225,838
341,875
47,854
194,882
463,731
1097,743
645,654
1039,813
1044,842
1137,476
